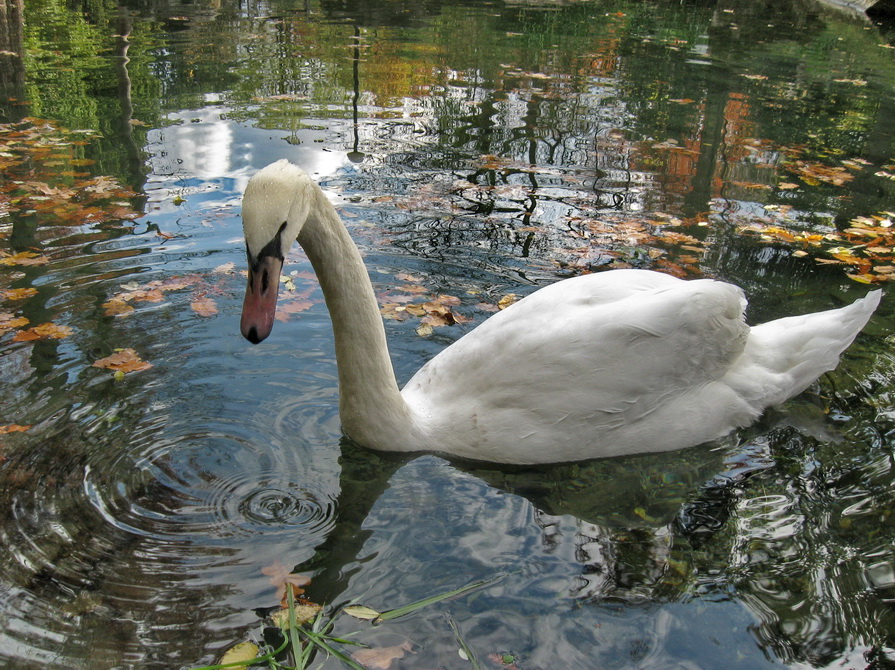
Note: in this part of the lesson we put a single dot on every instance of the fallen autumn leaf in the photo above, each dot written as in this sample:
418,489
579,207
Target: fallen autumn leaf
125,360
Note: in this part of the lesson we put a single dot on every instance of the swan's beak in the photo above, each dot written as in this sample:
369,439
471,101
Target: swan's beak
260,304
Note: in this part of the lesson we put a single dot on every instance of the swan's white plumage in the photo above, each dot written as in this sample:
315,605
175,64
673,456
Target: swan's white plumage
619,362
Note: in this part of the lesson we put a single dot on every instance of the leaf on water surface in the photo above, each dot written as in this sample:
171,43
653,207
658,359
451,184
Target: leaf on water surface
123,360
507,300
204,306
408,278
287,308
787,185
115,307
23,258
146,295
424,330
361,612
381,658
8,321
17,293
305,612
225,269
13,428
240,653
45,331
280,576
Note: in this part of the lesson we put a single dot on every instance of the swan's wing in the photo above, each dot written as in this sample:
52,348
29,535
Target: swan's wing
596,351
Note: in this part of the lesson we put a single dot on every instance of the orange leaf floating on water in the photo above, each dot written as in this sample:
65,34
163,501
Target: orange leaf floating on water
125,360
146,295
45,331
116,307
17,293
380,658
204,306
13,428
413,288
280,576
8,321
285,309
23,258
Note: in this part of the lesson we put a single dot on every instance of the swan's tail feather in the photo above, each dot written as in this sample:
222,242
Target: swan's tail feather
801,348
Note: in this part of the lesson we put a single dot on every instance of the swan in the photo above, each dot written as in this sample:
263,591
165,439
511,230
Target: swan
619,362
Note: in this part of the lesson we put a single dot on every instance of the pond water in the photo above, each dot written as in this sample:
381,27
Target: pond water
153,463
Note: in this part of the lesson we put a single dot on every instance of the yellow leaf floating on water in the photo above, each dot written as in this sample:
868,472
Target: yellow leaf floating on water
123,360
361,612
23,258
507,300
9,321
17,293
305,612
45,331
240,653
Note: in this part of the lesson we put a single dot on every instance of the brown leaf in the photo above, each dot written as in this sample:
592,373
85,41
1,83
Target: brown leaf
44,331
380,658
143,295
116,307
174,283
413,288
125,360
393,310
280,576
204,306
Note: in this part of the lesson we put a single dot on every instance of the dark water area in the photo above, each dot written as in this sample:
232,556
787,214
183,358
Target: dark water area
153,463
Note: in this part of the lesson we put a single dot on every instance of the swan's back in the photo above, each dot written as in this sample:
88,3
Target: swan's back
618,363
593,366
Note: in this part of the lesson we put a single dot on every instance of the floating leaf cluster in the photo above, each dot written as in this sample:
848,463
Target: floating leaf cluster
866,249
55,188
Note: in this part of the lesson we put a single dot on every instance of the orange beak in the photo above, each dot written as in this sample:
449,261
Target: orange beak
260,304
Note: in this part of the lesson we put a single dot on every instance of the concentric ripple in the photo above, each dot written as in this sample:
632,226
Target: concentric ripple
212,484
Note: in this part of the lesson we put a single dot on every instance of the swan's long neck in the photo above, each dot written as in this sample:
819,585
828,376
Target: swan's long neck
370,404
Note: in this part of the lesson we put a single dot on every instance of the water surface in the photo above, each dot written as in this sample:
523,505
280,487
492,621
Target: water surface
474,151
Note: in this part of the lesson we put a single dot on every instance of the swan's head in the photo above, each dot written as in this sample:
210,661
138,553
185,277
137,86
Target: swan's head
274,209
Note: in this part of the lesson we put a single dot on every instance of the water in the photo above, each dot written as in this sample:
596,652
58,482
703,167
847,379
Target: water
474,151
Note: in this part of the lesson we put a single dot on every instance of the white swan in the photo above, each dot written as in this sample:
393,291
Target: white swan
619,362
